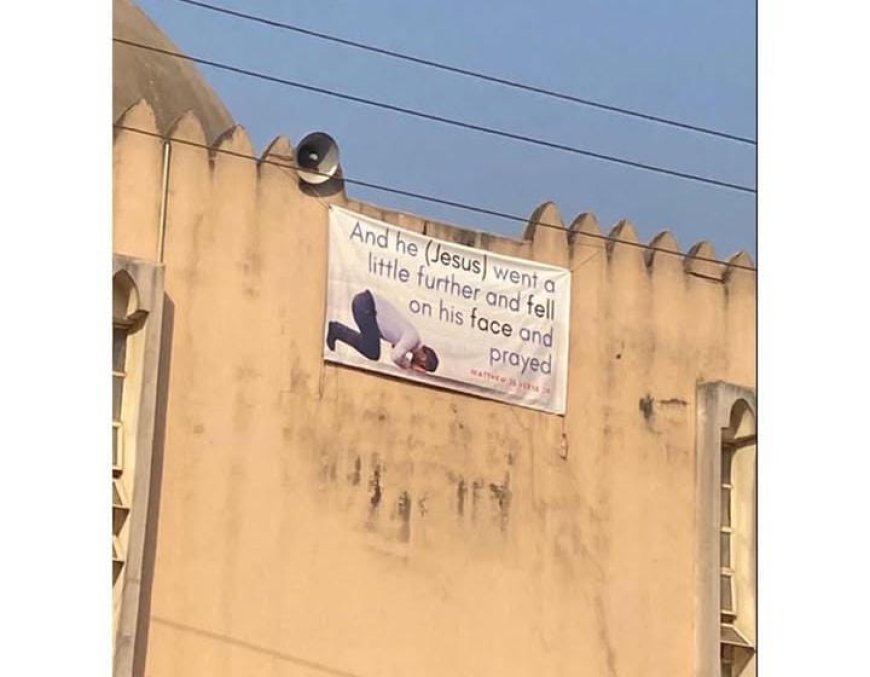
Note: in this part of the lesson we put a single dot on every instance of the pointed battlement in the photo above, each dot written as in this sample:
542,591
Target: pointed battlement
231,154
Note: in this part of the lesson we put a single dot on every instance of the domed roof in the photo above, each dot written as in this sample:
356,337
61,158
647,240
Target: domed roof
170,85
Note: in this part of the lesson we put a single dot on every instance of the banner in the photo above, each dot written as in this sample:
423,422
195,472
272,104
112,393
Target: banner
446,315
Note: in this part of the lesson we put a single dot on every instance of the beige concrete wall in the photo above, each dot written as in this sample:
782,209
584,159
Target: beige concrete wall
316,520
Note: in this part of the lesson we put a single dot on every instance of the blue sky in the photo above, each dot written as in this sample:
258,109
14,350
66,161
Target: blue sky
688,60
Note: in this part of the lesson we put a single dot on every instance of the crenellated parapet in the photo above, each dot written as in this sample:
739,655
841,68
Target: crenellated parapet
544,237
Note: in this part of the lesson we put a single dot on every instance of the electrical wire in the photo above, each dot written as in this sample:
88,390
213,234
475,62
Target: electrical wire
438,118
431,198
466,72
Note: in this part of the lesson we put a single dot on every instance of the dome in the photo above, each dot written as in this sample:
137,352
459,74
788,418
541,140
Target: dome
170,85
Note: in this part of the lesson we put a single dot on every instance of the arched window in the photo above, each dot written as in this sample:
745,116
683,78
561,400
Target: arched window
137,316
737,543
126,317
725,498
125,302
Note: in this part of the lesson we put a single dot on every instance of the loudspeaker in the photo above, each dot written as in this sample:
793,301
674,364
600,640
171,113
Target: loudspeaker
317,158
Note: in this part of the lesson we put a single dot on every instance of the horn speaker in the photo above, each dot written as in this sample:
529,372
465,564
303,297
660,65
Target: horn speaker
317,158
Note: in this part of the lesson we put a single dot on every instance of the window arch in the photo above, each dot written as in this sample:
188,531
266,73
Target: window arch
737,541
137,315
725,491
125,308
125,298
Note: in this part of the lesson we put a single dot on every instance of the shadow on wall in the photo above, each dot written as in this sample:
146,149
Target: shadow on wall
150,547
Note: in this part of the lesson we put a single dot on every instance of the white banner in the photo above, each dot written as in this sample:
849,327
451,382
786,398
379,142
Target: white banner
451,316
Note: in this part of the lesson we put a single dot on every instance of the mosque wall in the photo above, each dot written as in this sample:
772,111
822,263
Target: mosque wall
317,520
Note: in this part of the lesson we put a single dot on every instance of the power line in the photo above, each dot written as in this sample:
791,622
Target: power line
430,198
468,73
438,118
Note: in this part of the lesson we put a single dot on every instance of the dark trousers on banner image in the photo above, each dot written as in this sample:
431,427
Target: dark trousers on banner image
367,341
